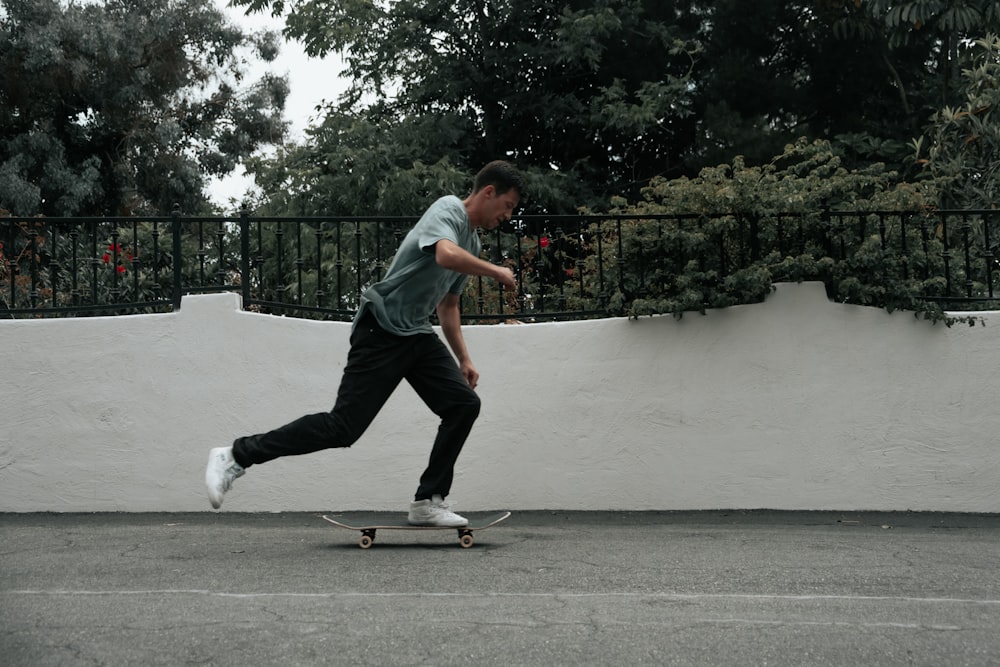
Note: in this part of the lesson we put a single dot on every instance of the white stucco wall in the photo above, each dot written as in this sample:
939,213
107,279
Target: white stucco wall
798,403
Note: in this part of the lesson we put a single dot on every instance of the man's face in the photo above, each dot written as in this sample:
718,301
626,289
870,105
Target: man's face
499,207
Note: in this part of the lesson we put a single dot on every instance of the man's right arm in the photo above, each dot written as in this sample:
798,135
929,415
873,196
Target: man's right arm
450,256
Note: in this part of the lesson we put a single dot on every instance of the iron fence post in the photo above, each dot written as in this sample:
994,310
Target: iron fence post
176,259
245,255
33,265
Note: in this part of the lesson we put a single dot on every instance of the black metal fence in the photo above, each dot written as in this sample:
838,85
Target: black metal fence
566,266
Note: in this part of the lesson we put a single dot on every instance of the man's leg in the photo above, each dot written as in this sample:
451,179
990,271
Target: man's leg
438,381
375,366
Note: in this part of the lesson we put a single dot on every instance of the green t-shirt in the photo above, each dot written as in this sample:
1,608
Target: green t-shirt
403,301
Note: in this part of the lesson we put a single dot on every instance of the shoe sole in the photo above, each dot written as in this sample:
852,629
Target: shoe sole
428,524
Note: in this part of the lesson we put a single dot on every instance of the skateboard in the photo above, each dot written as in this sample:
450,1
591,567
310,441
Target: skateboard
368,524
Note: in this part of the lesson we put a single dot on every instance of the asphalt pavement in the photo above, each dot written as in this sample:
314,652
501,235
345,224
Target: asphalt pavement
542,588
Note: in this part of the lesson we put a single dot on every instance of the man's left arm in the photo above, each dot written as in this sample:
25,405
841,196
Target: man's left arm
450,317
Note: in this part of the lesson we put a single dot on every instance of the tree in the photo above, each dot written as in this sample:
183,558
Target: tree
960,149
768,77
598,98
364,163
126,106
591,93
917,52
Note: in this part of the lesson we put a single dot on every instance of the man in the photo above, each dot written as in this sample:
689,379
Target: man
392,340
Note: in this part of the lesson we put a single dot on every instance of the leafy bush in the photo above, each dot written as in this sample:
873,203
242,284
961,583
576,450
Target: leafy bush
725,237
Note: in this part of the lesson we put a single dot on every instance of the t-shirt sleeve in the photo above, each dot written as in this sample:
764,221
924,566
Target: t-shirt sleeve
458,286
443,223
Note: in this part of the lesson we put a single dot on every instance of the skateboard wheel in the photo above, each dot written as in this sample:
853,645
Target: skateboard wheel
466,540
365,542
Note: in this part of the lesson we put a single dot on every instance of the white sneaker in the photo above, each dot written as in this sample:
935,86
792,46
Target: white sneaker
219,475
434,512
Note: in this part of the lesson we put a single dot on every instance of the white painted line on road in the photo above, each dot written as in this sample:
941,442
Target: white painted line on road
554,596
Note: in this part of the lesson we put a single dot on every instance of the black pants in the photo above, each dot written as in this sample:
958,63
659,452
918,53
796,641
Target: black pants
376,364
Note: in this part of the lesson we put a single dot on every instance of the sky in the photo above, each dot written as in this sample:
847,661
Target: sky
312,80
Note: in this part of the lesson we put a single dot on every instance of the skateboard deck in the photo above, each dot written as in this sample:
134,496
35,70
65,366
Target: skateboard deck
368,524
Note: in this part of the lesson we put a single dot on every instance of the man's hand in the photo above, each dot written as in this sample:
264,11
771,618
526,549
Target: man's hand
470,373
451,325
505,277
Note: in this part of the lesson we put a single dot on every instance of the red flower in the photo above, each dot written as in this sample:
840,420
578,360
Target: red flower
106,258
114,247
544,241
120,268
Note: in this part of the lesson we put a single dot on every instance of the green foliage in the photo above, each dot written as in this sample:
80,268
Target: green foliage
359,164
557,87
124,107
596,99
735,230
921,45
910,20
960,149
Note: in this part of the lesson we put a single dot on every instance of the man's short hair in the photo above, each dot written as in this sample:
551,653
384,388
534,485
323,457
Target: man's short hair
502,175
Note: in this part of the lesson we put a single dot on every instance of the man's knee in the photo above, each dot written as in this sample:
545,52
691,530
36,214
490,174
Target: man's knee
471,405
342,432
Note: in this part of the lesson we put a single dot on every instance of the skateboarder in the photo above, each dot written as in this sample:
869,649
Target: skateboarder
392,340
